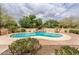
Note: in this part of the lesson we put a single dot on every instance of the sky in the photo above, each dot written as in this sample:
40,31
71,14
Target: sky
43,10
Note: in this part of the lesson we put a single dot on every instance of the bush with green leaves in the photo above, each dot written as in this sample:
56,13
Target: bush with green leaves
25,46
67,50
74,31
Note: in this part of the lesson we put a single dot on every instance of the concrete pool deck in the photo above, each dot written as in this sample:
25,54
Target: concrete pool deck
5,40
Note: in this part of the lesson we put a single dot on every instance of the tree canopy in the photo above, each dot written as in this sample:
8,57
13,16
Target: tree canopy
30,21
51,24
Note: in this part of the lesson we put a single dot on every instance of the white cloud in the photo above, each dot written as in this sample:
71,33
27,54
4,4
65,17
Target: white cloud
43,10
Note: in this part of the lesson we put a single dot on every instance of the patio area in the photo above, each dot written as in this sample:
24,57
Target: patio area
5,41
73,41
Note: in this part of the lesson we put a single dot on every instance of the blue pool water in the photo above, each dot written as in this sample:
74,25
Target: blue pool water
28,35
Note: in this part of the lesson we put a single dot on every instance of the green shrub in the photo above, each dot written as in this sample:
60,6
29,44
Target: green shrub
67,50
74,31
25,46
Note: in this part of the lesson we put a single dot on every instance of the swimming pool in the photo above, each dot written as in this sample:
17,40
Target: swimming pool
41,35
28,35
